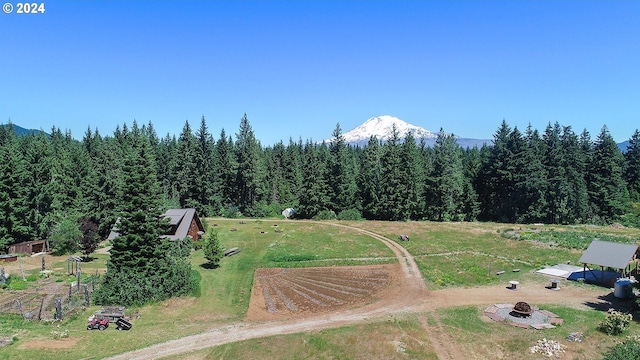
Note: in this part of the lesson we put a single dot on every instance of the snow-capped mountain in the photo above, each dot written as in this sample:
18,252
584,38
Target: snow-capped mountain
382,128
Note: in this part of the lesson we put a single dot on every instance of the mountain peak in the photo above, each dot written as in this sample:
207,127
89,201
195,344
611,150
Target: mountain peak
382,128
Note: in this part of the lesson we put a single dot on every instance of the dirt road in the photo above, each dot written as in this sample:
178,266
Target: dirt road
413,296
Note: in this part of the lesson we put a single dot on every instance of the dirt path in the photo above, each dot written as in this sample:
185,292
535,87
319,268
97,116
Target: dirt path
413,297
442,344
51,289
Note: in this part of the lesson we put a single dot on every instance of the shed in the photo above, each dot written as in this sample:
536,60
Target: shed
29,247
609,255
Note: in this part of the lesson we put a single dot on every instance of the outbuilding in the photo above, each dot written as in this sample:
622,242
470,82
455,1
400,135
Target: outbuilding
29,247
614,259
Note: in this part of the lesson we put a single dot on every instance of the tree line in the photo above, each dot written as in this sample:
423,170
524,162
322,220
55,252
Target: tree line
50,182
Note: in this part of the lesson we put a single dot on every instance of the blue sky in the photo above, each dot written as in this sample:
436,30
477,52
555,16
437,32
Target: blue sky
297,68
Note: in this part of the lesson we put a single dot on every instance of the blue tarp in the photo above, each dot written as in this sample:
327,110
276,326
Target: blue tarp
595,276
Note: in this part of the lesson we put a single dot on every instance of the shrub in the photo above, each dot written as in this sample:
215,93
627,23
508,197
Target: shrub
16,284
351,214
264,209
231,212
181,248
325,215
615,323
630,349
57,335
632,216
140,286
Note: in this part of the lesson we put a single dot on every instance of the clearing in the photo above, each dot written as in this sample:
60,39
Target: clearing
287,301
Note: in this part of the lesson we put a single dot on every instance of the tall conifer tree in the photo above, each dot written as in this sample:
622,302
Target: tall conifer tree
143,266
632,167
576,206
186,169
449,178
369,180
249,173
393,189
341,177
607,190
204,182
314,195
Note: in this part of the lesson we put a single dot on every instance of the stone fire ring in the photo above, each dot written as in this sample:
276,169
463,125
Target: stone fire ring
539,319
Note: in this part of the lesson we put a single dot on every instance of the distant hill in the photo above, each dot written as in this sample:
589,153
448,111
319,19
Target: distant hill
381,128
20,131
623,146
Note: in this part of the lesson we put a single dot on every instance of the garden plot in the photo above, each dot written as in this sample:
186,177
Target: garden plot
281,292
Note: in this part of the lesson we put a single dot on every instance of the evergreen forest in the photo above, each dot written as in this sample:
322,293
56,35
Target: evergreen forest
52,184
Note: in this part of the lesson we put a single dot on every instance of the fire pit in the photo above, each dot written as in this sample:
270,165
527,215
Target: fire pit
521,309
519,316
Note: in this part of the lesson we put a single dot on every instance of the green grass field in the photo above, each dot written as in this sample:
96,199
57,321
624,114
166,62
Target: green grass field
448,254
375,340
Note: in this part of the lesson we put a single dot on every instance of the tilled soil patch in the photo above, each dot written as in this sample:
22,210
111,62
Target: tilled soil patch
283,292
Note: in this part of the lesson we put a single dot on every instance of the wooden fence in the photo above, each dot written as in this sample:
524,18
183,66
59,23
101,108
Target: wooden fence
49,302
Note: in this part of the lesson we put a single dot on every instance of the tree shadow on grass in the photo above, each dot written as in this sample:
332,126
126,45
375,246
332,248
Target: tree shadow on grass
609,301
209,266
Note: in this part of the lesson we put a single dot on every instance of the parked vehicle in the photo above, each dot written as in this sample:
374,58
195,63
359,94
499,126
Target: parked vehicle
95,323
123,324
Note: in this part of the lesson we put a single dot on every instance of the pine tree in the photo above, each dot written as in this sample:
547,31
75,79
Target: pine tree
574,164
212,249
13,203
226,165
411,176
426,206
449,178
108,168
369,180
61,187
186,169
143,266
471,164
556,186
278,189
38,160
249,173
607,190
166,158
393,189
205,172
632,167
91,148
530,180
314,196
140,225
341,176
292,165
497,177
